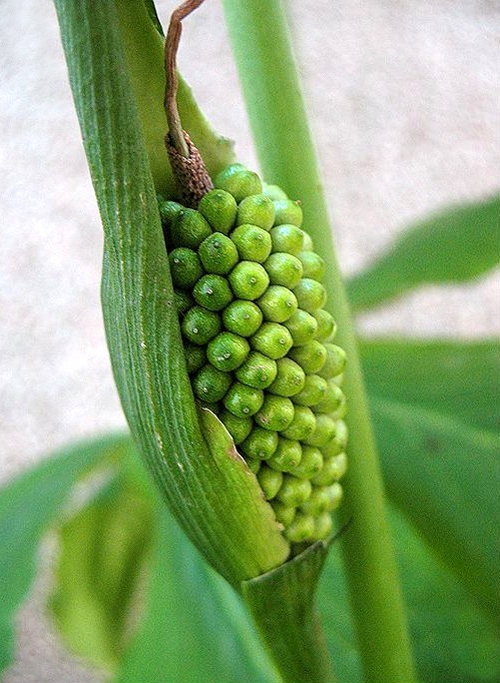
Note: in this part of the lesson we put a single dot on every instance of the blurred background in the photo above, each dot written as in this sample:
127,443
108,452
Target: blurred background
404,102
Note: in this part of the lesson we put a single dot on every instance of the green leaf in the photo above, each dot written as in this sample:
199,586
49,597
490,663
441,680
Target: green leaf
28,506
194,627
456,245
139,313
103,550
456,378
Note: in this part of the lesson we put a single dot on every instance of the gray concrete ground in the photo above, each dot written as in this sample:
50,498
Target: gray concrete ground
404,102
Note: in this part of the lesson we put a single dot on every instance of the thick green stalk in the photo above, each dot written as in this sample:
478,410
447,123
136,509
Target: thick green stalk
268,73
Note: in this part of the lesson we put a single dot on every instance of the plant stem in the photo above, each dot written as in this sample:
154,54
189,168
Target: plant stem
263,52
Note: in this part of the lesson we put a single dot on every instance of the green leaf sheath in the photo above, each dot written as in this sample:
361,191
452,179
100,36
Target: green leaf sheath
456,245
28,506
282,604
261,44
213,502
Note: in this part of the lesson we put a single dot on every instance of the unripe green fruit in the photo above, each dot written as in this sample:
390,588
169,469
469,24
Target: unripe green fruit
210,384
276,413
314,391
326,325
308,243
334,402
258,371
273,340
312,265
219,208
290,378
335,361
287,238
253,243
242,400
302,425
199,326
183,301
326,428
318,503
294,491
302,326
283,269
277,304
311,463
287,212
254,465
283,513
185,267
274,192
287,455
189,229
227,351
334,468
249,280
311,356
323,527
218,254
338,443
168,211
260,443
195,357
212,292
240,182
238,427
301,529
310,294
256,210
242,317
270,481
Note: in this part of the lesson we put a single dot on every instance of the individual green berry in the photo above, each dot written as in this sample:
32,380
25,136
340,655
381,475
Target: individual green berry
189,229
294,491
283,269
195,357
273,340
249,280
242,317
301,529
335,493
326,325
210,384
312,265
254,465
308,243
290,378
283,513
310,294
311,356
274,192
212,292
326,429
185,267
240,182
218,254
276,413
238,427
310,464
335,361
302,425
286,211
334,468
302,326
277,304
242,400
287,238
323,527
318,503
227,351
338,443
258,371
314,391
183,301
219,208
270,481
256,210
199,326
253,243
334,403
286,456
168,211
260,443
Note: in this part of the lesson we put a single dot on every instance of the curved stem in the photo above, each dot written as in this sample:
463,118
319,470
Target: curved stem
261,44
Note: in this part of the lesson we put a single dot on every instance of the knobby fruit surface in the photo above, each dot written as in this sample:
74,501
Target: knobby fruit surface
259,343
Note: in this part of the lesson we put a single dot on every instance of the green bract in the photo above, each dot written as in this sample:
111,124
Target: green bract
258,342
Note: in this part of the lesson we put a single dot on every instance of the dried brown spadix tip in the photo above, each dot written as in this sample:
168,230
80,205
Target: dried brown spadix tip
191,173
258,344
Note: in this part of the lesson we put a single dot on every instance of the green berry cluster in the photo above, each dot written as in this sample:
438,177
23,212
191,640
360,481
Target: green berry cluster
258,342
